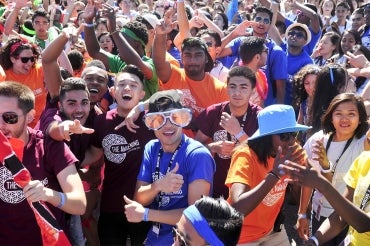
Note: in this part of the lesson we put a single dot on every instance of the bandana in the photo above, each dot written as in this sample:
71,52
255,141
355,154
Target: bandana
29,31
201,226
132,35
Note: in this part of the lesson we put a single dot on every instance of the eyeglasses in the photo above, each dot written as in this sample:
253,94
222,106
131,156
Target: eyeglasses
26,59
297,34
286,136
178,117
10,117
264,20
178,237
265,49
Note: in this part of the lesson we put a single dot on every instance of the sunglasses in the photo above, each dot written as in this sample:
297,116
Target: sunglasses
264,20
178,117
178,237
286,136
297,34
10,117
26,59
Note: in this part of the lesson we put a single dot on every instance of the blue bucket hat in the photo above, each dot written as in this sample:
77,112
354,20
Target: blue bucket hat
276,119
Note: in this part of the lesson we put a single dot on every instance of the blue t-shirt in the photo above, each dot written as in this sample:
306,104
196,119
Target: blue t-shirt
275,68
195,162
294,64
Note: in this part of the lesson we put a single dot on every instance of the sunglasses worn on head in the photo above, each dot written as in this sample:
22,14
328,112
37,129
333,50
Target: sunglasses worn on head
26,59
178,237
178,117
296,33
10,117
286,136
264,20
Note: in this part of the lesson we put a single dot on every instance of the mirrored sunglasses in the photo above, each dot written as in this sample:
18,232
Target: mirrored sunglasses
10,117
26,59
296,33
286,136
264,20
178,117
177,237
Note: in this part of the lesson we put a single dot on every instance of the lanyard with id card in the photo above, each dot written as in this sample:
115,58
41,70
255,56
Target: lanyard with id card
157,225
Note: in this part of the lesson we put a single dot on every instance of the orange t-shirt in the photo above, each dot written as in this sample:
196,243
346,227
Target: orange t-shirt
197,95
245,168
34,80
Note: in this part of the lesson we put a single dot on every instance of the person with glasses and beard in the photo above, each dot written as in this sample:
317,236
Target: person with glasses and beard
256,188
51,164
175,172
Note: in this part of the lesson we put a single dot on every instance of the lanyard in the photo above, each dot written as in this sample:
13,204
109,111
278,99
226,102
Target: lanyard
349,141
241,125
157,170
365,199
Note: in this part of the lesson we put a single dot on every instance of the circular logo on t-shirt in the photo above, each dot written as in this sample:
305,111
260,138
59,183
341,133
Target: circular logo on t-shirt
10,192
115,148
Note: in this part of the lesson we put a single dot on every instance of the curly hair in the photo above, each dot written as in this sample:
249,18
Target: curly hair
13,48
139,29
331,80
299,92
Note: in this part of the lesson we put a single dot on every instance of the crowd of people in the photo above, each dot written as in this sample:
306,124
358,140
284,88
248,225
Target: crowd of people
184,122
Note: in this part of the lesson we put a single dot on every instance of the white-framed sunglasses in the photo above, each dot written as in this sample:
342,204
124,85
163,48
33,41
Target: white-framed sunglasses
178,117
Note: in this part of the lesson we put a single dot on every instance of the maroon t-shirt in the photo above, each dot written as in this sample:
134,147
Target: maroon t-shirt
123,152
209,123
44,159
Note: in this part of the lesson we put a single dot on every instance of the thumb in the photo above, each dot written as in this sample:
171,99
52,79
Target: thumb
176,168
127,200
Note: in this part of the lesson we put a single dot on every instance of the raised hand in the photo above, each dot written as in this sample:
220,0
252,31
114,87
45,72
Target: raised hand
230,123
90,12
172,182
73,127
320,154
164,28
134,211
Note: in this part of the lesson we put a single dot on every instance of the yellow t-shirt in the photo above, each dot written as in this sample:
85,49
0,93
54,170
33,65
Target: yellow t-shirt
358,177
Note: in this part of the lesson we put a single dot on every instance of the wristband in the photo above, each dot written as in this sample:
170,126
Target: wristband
89,24
302,216
274,174
313,238
62,199
141,106
240,134
329,170
146,213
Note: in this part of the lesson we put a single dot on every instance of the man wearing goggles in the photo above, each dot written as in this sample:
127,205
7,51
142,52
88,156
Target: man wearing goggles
51,164
175,172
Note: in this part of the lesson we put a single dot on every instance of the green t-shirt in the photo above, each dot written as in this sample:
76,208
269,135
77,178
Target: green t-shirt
150,86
